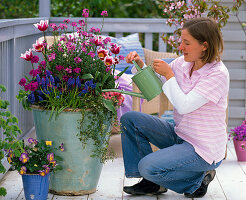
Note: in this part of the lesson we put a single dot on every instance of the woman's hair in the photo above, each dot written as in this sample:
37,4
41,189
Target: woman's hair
206,30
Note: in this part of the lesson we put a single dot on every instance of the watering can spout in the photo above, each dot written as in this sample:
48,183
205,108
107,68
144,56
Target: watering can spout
140,95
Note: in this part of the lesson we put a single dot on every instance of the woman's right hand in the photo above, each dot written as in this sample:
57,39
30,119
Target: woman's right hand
134,56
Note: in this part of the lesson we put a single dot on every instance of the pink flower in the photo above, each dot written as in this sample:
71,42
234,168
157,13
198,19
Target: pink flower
106,40
33,86
43,63
52,56
85,13
66,21
68,70
54,27
81,22
92,54
63,26
27,55
65,78
43,25
107,69
108,61
74,24
77,60
77,70
59,67
115,49
22,82
34,72
98,41
34,59
121,57
104,13
38,47
116,60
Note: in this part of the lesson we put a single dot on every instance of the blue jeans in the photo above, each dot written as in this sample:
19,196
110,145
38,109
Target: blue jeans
175,166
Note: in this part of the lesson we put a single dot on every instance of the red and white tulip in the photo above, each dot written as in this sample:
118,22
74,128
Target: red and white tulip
38,47
43,25
108,61
27,55
102,53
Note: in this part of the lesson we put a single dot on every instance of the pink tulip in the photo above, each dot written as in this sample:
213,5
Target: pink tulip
43,25
115,49
27,55
38,47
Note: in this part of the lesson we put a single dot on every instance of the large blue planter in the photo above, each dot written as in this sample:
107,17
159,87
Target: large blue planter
36,187
81,172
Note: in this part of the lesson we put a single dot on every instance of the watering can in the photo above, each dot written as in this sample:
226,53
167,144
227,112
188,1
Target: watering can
147,82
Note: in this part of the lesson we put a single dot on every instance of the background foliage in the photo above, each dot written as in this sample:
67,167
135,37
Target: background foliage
10,9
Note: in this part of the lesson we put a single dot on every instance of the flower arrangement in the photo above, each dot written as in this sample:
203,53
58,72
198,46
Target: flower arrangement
72,73
239,134
178,12
35,158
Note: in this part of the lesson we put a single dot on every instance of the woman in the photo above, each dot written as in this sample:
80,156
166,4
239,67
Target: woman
197,85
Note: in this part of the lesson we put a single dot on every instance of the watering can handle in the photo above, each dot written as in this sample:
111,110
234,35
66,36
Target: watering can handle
136,65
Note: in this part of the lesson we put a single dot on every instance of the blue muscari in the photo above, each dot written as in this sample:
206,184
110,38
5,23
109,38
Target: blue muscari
38,79
31,98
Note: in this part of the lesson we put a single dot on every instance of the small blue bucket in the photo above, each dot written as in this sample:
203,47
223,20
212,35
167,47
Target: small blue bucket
36,187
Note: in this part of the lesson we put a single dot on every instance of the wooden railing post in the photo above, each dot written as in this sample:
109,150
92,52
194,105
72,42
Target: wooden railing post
44,8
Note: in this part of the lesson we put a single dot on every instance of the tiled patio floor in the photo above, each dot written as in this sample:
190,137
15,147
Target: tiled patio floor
229,184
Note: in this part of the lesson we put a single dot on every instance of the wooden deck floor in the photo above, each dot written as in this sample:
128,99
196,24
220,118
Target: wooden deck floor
229,184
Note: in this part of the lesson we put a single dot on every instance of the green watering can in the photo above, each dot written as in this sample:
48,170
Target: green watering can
147,82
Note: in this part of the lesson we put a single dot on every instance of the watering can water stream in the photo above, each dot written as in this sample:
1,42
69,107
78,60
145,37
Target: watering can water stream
147,82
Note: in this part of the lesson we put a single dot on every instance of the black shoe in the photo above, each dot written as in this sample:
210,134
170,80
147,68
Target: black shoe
144,187
202,190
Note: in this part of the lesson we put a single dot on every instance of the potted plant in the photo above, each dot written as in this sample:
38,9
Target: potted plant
238,134
34,162
65,92
10,131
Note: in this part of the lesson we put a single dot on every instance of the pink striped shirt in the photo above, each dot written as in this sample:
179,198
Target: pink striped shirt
205,127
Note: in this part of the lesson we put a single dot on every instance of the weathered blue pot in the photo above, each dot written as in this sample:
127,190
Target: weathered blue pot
81,172
36,187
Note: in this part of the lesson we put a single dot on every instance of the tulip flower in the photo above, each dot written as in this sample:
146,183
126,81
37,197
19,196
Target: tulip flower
27,55
38,47
43,25
115,49
108,61
102,53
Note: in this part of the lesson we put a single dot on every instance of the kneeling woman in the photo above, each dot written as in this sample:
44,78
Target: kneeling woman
197,85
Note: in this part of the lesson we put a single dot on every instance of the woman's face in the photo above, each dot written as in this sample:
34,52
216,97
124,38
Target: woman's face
191,48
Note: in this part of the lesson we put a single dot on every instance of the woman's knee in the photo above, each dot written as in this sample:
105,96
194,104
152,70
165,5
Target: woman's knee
145,168
128,117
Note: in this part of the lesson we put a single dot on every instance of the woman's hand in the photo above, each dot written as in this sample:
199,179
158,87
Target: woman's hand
134,56
162,68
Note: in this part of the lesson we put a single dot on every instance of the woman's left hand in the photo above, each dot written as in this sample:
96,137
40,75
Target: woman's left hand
162,68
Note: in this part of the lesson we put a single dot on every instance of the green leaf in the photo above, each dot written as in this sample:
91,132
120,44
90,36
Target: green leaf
3,191
86,76
109,105
3,88
122,72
